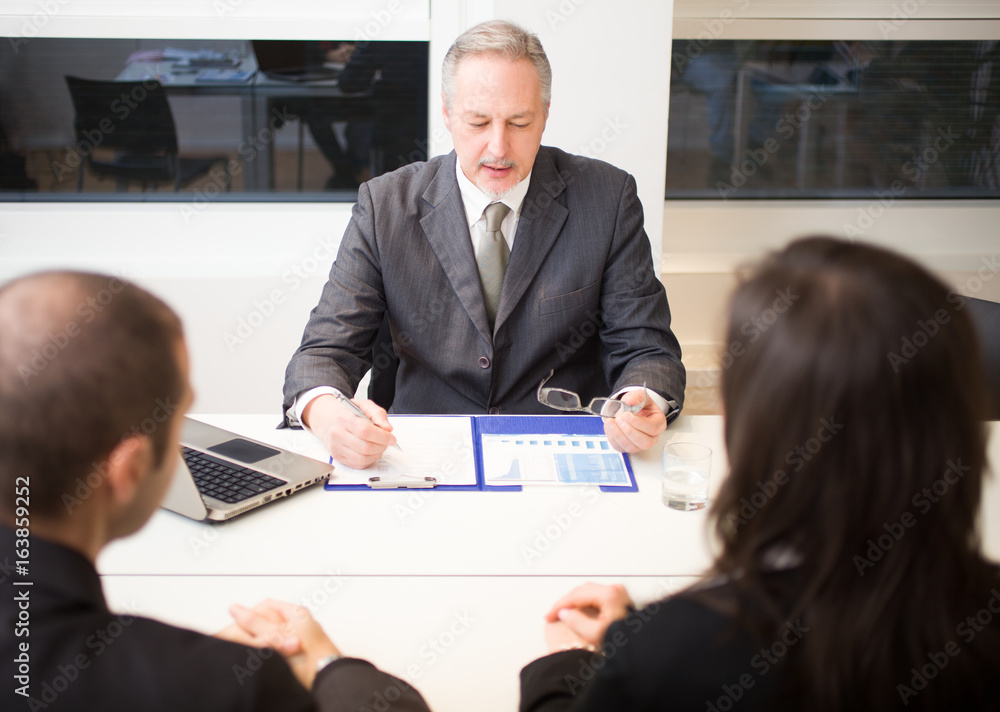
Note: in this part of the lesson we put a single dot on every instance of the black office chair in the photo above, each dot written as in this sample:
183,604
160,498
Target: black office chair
134,118
385,363
986,316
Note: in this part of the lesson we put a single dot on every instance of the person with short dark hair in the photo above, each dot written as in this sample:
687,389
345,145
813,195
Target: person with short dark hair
850,573
93,390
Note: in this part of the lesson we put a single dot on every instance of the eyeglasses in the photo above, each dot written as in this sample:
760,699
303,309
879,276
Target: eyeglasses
561,399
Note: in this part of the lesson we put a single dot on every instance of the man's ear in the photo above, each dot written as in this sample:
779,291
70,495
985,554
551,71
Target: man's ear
128,464
445,113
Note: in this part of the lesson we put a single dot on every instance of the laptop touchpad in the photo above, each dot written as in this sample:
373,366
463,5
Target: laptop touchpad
243,450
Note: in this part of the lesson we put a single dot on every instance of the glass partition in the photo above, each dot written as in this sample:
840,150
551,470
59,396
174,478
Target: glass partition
112,119
759,119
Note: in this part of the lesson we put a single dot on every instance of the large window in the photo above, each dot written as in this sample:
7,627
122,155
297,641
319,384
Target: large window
834,119
165,119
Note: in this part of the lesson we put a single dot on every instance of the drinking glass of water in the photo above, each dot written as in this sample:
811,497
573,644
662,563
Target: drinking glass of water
686,470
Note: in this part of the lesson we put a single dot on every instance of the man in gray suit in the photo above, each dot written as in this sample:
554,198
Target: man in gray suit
495,264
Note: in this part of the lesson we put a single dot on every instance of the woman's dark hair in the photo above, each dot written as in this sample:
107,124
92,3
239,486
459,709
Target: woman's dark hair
853,397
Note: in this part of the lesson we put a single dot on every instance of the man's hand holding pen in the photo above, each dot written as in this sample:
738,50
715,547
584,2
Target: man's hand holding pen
356,433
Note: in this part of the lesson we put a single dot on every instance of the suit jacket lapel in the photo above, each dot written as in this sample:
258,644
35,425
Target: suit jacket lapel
447,232
538,228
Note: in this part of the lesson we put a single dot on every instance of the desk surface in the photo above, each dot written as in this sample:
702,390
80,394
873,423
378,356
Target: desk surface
444,589
538,531
190,81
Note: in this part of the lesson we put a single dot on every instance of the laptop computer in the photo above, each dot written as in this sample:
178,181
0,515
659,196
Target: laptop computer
222,474
287,60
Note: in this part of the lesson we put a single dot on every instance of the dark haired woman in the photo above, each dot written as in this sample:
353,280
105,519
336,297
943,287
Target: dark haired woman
860,583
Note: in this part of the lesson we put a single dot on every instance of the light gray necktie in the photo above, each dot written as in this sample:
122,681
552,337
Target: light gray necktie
492,258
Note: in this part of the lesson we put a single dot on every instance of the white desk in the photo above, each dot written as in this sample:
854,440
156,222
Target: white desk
444,589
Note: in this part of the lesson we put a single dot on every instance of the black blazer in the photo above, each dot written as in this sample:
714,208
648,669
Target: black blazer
81,656
682,656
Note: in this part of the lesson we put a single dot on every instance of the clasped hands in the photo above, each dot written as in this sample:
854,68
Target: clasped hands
581,618
287,628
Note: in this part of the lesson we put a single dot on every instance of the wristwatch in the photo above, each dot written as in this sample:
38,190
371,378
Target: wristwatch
326,660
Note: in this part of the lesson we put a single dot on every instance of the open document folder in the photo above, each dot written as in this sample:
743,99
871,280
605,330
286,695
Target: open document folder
493,452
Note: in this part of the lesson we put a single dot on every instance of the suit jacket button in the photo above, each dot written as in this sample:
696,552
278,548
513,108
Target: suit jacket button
484,362
494,411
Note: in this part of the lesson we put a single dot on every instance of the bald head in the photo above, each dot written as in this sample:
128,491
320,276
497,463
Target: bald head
85,361
38,319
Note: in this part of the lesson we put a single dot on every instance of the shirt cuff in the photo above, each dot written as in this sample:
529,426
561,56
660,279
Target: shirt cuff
669,407
303,399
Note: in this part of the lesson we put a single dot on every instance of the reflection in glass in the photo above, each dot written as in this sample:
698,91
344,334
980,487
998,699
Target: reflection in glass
780,119
301,119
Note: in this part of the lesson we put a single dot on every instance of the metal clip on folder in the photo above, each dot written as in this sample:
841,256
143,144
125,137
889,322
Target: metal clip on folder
422,483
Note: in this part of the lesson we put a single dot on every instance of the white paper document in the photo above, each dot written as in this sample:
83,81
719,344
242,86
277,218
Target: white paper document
553,460
432,446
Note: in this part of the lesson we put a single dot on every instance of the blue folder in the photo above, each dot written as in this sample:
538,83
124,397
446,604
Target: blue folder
587,425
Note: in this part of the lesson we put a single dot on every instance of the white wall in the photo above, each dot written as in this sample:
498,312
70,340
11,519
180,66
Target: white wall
610,73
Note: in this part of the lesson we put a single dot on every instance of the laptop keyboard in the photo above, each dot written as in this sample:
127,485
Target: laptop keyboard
225,481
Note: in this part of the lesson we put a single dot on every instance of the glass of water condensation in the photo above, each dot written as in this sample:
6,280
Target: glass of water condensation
686,470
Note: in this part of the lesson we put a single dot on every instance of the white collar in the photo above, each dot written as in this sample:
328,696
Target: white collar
476,200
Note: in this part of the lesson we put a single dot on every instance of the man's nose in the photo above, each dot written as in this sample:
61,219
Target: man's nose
499,143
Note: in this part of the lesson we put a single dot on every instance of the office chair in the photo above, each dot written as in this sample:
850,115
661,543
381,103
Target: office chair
385,363
134,118
986,316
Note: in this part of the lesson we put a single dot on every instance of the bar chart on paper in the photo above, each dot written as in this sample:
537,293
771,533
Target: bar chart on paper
552,459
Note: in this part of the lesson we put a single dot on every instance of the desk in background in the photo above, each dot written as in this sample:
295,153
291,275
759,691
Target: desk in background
445,589
259,95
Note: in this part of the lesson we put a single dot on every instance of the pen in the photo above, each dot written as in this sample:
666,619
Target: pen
357,411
